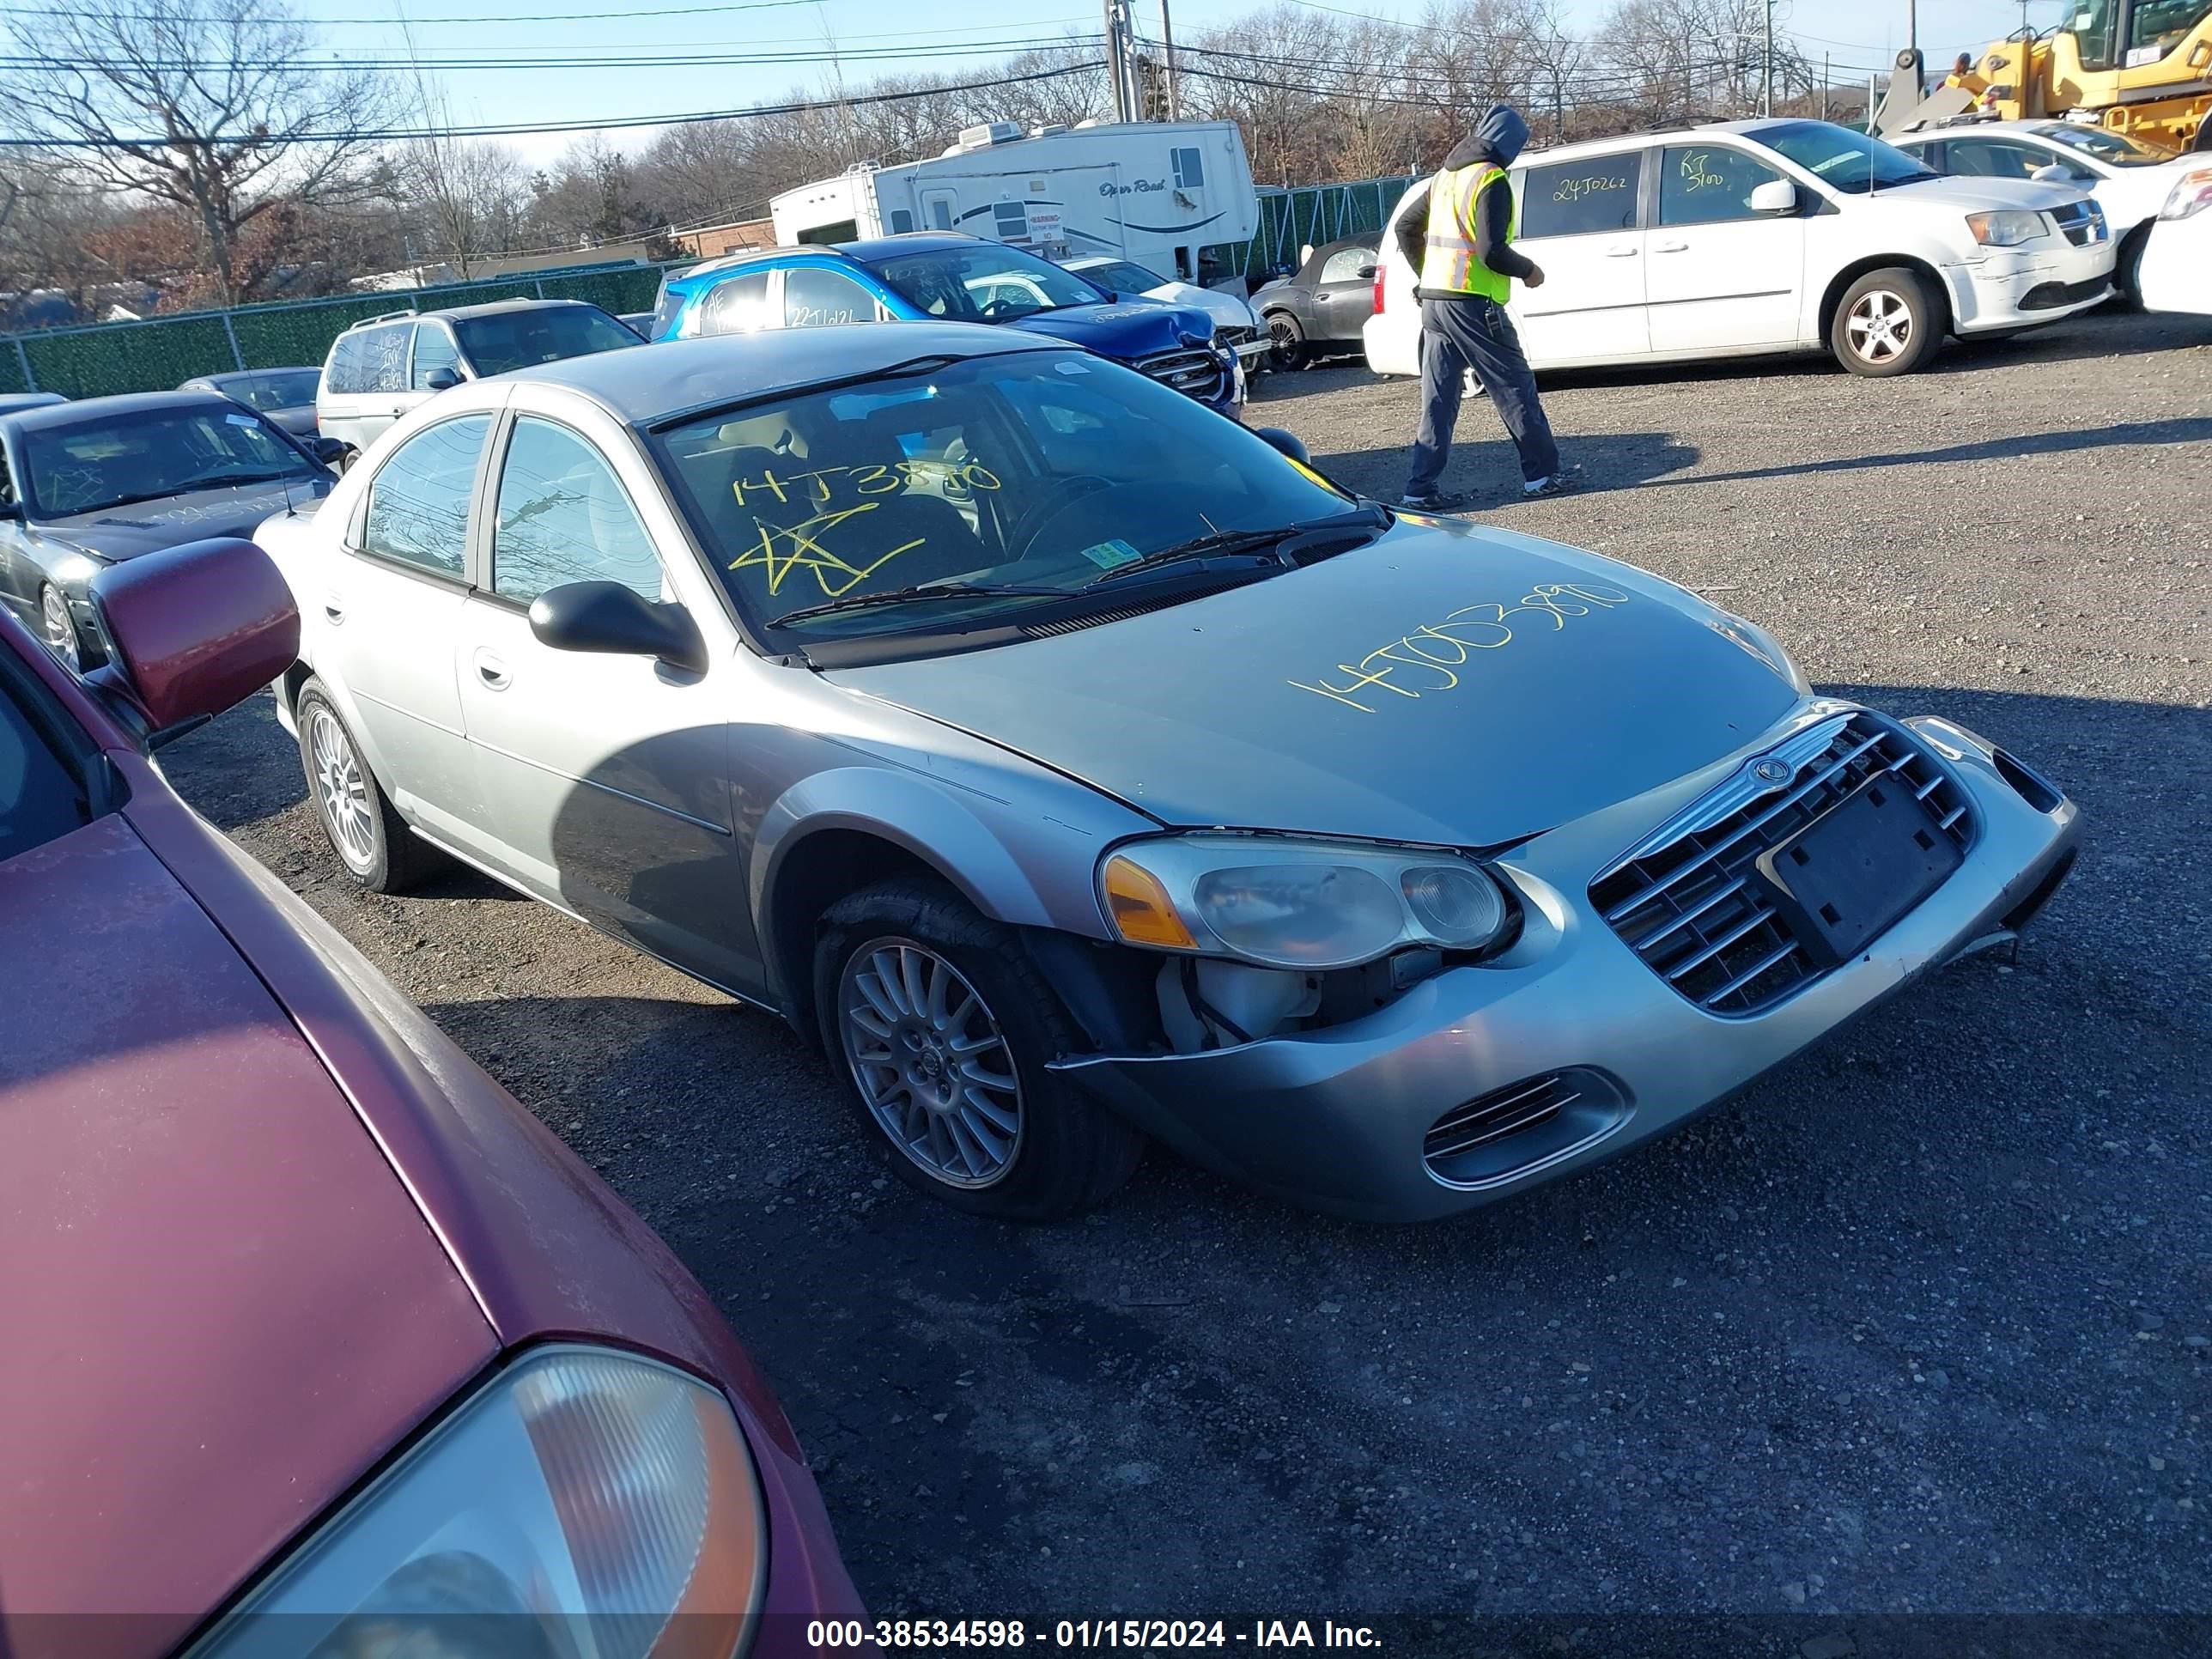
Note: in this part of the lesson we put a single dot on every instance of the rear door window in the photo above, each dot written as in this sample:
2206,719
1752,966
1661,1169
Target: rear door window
738,305
418,502
1581,198
383,358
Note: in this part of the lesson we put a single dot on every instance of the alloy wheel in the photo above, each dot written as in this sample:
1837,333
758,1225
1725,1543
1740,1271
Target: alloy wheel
931,1062
58,628
1880,325
1285,344
341,790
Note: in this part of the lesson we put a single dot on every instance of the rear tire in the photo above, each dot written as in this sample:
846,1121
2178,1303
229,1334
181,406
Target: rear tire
371,840
346,460
1286,342
940,1028
1888,322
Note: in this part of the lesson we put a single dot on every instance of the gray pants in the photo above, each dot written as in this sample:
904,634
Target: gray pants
1458,335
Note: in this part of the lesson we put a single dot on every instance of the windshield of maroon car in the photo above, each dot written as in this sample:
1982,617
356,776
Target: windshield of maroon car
522,339
986,284
1042,469
152,453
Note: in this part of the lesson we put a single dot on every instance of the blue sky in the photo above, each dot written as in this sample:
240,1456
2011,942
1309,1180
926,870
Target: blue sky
923,36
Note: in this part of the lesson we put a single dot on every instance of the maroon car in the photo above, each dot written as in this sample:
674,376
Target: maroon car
311,1340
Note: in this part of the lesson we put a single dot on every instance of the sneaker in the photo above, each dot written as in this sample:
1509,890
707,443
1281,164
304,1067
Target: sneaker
1559,484
1436,501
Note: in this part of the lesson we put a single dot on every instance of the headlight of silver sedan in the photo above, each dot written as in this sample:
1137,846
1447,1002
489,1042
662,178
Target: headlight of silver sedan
580,1491
1287,903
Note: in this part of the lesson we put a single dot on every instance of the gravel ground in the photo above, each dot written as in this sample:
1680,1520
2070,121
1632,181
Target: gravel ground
1923,1323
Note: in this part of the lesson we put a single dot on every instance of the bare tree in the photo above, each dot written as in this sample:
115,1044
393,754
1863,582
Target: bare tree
210,106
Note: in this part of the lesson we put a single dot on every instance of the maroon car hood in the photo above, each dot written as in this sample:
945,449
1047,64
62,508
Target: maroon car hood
219,1307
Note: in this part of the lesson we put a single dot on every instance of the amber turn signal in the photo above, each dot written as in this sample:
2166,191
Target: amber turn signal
1141,908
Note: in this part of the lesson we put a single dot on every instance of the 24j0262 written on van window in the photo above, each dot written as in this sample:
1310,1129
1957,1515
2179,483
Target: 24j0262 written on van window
1579,198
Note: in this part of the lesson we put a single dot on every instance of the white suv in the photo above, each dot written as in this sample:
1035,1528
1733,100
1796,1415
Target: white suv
1744,237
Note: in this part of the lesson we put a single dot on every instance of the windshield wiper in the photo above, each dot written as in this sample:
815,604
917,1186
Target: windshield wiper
1243,541
921,591
220,480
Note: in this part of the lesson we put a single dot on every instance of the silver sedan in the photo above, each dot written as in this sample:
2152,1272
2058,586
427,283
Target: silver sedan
1077,767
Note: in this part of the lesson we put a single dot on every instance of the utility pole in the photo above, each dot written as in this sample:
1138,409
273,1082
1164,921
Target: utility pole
1117,62
1167,46
1767,73
1827,75
1912,27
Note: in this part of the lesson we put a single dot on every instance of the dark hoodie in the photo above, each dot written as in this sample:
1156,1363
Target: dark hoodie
1498,137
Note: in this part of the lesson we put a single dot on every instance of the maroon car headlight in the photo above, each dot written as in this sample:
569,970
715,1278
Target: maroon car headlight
582,1501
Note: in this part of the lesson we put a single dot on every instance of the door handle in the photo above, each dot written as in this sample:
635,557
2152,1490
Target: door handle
334,608
1620,253
492,671
1670,247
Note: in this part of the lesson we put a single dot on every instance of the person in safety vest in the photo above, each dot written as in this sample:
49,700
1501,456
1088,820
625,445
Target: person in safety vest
1459,238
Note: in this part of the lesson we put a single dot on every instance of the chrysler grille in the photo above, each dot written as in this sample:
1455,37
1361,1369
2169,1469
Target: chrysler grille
1197,372
1694,905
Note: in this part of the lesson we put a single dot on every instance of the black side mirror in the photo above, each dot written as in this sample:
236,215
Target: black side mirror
1286,442
442,379
328,451
1367,273
606,617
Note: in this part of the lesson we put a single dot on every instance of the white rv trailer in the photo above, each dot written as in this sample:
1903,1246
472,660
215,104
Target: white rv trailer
1153,191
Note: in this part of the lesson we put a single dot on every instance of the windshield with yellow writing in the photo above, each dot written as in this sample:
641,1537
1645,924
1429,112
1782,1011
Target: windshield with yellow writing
1041,470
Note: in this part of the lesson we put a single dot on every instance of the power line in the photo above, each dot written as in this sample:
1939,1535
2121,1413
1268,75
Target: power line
395,135
386,22
659,60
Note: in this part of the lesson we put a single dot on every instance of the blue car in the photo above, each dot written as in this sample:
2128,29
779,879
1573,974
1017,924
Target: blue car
937,276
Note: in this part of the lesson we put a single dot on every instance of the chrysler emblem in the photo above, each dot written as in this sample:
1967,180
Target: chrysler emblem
1771,771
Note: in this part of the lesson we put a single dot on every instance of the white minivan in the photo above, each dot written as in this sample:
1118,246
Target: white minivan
1744,237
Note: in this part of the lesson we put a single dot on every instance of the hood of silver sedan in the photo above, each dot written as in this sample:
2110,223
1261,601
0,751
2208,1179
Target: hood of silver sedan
1444,685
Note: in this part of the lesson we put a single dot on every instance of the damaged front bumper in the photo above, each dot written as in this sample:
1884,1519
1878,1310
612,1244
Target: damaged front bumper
1568,1047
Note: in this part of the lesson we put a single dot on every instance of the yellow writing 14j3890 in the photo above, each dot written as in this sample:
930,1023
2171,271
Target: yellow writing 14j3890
1431,656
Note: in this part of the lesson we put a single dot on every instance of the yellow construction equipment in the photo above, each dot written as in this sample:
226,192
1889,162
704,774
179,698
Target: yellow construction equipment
2139,67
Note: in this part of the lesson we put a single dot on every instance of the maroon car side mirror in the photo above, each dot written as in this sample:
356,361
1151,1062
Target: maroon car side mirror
194,628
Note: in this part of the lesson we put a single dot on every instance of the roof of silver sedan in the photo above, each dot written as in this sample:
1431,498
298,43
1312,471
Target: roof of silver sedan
647,384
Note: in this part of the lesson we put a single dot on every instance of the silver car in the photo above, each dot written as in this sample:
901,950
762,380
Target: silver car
1078,767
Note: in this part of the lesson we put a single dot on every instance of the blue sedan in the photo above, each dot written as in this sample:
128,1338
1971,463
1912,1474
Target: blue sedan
943,277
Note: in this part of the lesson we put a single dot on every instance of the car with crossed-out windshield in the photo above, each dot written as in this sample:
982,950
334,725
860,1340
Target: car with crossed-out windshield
1076,767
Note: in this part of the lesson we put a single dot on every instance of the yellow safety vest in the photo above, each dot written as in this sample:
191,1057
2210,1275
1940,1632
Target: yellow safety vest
1450,265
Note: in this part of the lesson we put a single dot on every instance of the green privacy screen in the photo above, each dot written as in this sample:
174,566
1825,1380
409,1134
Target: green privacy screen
162,351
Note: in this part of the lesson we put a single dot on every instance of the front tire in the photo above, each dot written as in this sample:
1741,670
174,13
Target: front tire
941,1028
1286,342
1888,322
374,842
2127,275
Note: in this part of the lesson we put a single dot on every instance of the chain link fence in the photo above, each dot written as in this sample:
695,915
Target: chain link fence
153,356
